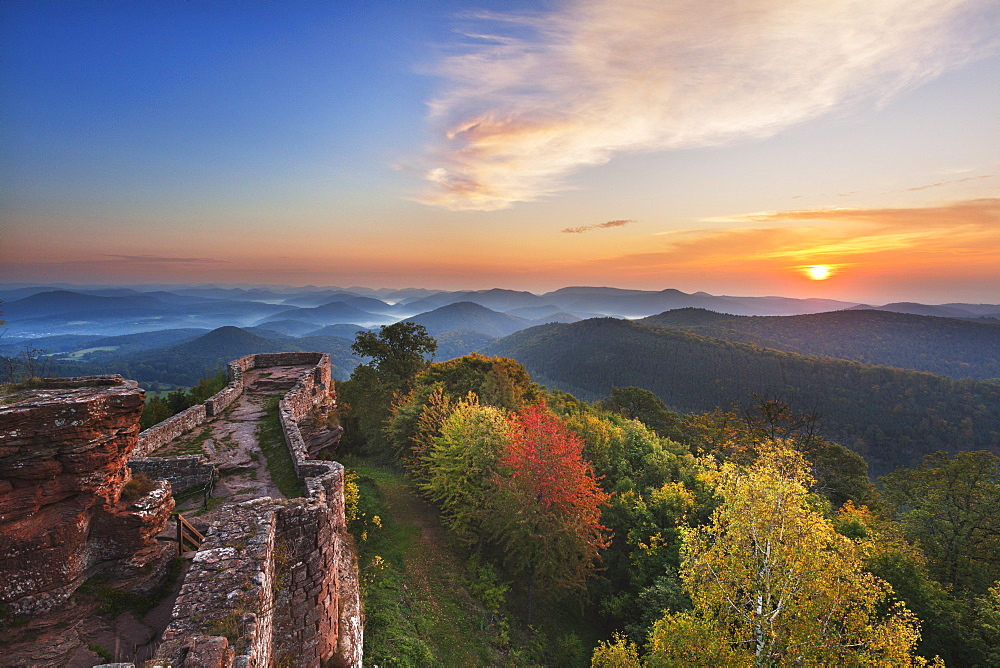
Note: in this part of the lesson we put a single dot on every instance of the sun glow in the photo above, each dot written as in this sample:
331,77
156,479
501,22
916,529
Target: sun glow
819,272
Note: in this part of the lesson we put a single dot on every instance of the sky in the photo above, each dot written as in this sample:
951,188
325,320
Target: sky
844,149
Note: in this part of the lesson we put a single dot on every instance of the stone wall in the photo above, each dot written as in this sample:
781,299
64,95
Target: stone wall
276,582
65,510
183,472
160,434
225,606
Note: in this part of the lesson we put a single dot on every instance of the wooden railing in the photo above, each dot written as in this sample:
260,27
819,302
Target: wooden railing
187,533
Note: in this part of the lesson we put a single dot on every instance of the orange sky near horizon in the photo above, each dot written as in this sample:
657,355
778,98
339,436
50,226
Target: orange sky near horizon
469,147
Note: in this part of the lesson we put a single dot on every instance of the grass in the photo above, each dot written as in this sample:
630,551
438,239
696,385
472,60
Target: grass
428,604
140,485
101,651
78,354
276,454
191,445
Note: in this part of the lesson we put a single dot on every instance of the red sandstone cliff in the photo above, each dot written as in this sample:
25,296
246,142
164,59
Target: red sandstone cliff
64,449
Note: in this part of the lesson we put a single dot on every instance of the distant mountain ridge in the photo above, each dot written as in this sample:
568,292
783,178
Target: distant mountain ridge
944,345
891,416
469,316
35,311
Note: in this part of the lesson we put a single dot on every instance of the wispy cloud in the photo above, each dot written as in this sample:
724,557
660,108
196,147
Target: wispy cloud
599,226
959,233
159,259
535,96
941,184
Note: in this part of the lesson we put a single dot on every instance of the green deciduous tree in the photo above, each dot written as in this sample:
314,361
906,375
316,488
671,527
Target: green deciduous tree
417,415
462,461
641,404
950,505
397,354
397,351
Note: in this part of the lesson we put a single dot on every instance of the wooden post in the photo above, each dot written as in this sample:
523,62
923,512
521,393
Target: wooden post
187,532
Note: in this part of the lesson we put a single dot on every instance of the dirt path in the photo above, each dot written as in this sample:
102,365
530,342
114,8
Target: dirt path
230,440
444,614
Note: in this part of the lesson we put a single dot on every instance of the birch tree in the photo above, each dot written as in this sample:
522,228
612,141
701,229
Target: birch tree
773,580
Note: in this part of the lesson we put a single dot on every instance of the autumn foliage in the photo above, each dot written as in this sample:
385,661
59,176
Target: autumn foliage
547,504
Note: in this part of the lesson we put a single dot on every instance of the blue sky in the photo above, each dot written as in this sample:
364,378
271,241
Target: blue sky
451,145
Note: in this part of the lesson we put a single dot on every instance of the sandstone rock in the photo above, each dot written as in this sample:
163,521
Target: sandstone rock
64,465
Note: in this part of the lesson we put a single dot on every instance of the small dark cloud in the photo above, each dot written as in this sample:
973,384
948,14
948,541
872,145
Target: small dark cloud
159,259
588,228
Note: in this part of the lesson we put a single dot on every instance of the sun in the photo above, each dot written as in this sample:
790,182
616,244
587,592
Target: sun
819,272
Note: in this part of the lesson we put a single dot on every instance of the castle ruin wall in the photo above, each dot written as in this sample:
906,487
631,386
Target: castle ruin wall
278,582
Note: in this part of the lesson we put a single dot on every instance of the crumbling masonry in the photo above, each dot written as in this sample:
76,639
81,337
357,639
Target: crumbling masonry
275,582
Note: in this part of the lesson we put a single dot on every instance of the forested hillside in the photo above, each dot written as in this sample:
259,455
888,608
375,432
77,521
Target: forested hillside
948,346
619,534
890,416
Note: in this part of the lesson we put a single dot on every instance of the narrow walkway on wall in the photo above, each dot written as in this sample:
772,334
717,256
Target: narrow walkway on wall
233,442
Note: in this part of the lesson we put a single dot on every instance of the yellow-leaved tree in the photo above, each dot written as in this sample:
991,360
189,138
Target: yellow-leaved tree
773,584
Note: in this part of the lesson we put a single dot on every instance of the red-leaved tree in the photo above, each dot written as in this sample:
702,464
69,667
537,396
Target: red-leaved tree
545,511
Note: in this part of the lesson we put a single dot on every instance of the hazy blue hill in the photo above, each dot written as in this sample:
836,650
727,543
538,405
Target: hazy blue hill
367,304
534,312
328,314
636,303
148,340
230,293
67,303
284,328
949,346
342,360
185,363
500,300
9,294
559,316
925,309
495,299
469,316
891,416
426,303
344,331
314,298
242,309
977,309
225,339
397,296
694,317
178,300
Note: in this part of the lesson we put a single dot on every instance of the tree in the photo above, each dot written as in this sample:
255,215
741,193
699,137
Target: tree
950,505
546,510
839,473
641,404
775,583
889,556
397,355
397,351
497,381
462,461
